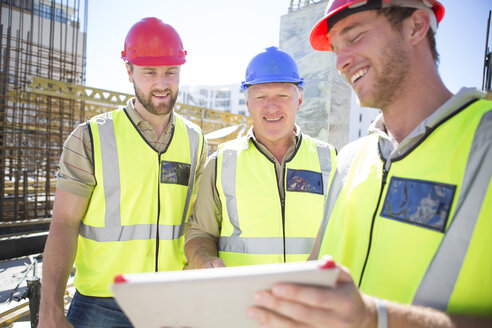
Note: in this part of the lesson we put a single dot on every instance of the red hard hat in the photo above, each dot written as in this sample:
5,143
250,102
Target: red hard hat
151,42
338,9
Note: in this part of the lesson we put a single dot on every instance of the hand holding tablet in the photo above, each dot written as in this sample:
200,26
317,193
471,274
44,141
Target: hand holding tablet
212,298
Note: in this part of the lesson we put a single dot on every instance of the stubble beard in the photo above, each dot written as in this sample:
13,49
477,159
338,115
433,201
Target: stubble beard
392,77
162,109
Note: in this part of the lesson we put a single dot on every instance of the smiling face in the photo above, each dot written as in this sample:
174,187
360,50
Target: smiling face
273,108
371,56
156,87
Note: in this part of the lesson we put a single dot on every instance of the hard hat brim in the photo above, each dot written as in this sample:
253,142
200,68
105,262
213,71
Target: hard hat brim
319,34
244,85
156,61
318,38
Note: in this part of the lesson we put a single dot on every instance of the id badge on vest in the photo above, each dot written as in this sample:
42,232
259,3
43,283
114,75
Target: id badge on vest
423,203
175,173
304,181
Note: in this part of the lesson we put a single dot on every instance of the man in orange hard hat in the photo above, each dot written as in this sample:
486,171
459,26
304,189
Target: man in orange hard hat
125,187
410,207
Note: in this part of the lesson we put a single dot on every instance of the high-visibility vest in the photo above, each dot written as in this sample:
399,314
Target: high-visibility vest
419,232
136,217
257,225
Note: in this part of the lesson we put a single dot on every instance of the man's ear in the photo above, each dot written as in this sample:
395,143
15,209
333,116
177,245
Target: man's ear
129,72
417,25
247,106
246,96
301,98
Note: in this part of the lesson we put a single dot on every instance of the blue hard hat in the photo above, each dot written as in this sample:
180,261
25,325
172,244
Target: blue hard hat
272,65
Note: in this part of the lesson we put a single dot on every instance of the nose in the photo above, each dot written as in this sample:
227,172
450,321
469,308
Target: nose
272,103
344,60
162,81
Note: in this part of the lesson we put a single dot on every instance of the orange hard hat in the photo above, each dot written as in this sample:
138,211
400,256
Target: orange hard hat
151,42
338,9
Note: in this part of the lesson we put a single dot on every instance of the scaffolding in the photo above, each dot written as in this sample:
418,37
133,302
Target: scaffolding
77,103
46,38
42,99
215,124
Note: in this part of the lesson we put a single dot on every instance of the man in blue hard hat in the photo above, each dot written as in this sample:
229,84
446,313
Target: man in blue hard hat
261,196
413,217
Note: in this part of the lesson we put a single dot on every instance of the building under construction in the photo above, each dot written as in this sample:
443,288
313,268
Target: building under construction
39,38
43,97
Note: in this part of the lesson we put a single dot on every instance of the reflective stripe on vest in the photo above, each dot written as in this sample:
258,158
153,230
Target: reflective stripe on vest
236,242
229,186
336,187
195,153
113,230
324,158
438,283
265,245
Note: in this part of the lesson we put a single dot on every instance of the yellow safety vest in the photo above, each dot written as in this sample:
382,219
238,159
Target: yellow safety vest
136,217
257,225
418,230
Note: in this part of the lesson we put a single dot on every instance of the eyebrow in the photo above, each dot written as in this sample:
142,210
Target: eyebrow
349,28
346,30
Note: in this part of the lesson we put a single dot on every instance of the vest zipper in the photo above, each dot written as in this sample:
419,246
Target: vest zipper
158,215
383,183
282,205
282,200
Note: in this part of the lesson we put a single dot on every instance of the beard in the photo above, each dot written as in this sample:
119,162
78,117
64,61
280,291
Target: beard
161,108
391,78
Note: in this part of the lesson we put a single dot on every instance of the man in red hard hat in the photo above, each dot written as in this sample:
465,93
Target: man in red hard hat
409,211
125,187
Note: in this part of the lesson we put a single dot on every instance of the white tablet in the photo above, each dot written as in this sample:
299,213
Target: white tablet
209,298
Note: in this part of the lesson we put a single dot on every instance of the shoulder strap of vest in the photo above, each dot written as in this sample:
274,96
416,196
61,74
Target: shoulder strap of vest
91,138
343,164
326,158
228,155
195,139
429,131
104,125
438,282
238,143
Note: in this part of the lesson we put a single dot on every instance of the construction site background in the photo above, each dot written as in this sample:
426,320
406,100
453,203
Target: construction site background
42,99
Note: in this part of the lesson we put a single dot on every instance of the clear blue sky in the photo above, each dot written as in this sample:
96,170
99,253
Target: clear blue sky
221,36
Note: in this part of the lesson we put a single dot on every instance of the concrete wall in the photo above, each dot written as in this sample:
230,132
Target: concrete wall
325,113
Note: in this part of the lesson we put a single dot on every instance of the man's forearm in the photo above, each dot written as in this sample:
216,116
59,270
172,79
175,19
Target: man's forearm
59,255
58,259
201,253
315,251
